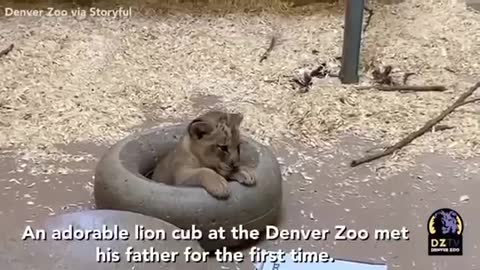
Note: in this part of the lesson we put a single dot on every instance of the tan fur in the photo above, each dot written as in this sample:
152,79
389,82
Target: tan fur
207,155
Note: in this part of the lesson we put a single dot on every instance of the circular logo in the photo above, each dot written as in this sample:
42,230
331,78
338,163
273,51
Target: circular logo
445,222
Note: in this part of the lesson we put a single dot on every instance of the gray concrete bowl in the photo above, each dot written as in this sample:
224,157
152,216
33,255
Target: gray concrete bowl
120,183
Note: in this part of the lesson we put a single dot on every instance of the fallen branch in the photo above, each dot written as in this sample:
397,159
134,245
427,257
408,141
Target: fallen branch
265,55
407,88
436,128
7,50
412,136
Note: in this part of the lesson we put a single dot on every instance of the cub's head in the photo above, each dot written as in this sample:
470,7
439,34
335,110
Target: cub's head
215,140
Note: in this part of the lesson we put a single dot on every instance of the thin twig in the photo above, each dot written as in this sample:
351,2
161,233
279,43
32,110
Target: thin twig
383,77
451,70
416,88
406,76
304,81
412,136
441,128
470,101
7,50
321,71
265,55
369,17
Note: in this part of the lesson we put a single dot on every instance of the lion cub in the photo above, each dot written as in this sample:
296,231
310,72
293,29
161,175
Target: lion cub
207,155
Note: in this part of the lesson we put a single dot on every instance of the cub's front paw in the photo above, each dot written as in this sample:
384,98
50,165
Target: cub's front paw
218,188
244,176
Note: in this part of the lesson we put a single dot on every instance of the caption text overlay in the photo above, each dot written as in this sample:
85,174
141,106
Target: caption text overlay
254,254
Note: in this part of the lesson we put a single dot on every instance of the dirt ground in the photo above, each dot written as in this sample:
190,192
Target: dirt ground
320,191
72,86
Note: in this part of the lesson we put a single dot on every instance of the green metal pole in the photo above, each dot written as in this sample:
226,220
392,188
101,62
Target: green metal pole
352,37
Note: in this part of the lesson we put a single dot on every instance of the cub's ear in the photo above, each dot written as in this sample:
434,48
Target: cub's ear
198,128
236,118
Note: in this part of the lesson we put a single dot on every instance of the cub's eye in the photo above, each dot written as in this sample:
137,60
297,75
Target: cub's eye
224,148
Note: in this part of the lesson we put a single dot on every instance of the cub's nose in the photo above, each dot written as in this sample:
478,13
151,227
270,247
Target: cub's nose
233,164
